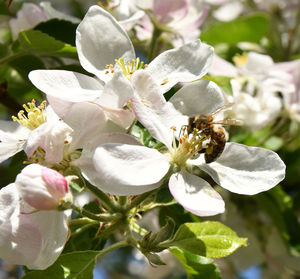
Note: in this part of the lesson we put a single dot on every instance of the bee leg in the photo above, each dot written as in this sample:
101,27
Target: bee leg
203,150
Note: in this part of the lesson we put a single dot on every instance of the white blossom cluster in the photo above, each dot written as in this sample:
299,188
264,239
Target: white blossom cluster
87,122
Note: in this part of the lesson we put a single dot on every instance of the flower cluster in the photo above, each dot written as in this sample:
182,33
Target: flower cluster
90,133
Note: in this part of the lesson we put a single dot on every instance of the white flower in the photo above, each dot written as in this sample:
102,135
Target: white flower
127,169
55,144
34,239
43,188
125,12
59,145
291,101
30,15
14,135
256,85
105,50
180,16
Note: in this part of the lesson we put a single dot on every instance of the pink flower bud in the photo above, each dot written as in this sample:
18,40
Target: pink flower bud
41,187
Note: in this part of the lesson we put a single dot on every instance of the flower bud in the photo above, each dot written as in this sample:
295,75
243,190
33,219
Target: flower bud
42,188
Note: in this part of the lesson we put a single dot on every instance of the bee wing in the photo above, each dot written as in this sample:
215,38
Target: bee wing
234,122
223,108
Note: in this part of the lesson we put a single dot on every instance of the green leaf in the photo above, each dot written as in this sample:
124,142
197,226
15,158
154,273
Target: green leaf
197,266
151,241
222,81
210,239
243,29
25,64
154,259
37,42
59,29
76,265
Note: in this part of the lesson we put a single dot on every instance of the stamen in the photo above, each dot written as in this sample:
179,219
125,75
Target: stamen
240,59
36,116
165,80
131,66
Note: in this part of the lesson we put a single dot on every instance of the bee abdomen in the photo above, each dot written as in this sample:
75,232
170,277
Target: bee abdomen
214,151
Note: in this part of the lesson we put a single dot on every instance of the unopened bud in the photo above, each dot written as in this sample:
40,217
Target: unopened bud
43,188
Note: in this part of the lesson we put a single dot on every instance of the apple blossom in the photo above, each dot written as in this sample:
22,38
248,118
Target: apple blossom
182,17
255,85
291,101
124,11
43,188
31,14
110,56
240,169
35,239
14,135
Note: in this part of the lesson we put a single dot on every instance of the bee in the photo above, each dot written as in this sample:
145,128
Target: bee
205,124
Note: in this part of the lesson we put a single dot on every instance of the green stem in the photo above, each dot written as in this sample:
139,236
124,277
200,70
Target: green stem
136,228
123,200
13,57
107,232
273,131
82,229
105,200
104,217
139,199
111,248
155,36
82,221
292,35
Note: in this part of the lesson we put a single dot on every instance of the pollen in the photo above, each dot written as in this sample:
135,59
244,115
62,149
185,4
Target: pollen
173,128
240,59
35,117
165,81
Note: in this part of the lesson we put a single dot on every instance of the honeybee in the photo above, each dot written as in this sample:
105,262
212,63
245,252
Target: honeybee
205,124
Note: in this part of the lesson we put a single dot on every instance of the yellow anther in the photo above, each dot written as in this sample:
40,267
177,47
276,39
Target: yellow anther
240,59
36,116
166,80
130,67
173,128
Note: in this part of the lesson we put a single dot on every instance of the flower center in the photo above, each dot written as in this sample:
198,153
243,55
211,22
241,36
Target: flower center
189,145
127,68
240,59
36,116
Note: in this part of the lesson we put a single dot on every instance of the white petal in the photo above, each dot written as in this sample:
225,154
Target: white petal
79,119
52,13
195,194
152,110
123,166
66,85
100,40
13,136
221,67
199,97
50,136
229,11
128,23
20,242
116,93
246,170
36,239
54,229
186,63
258,62
85,162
